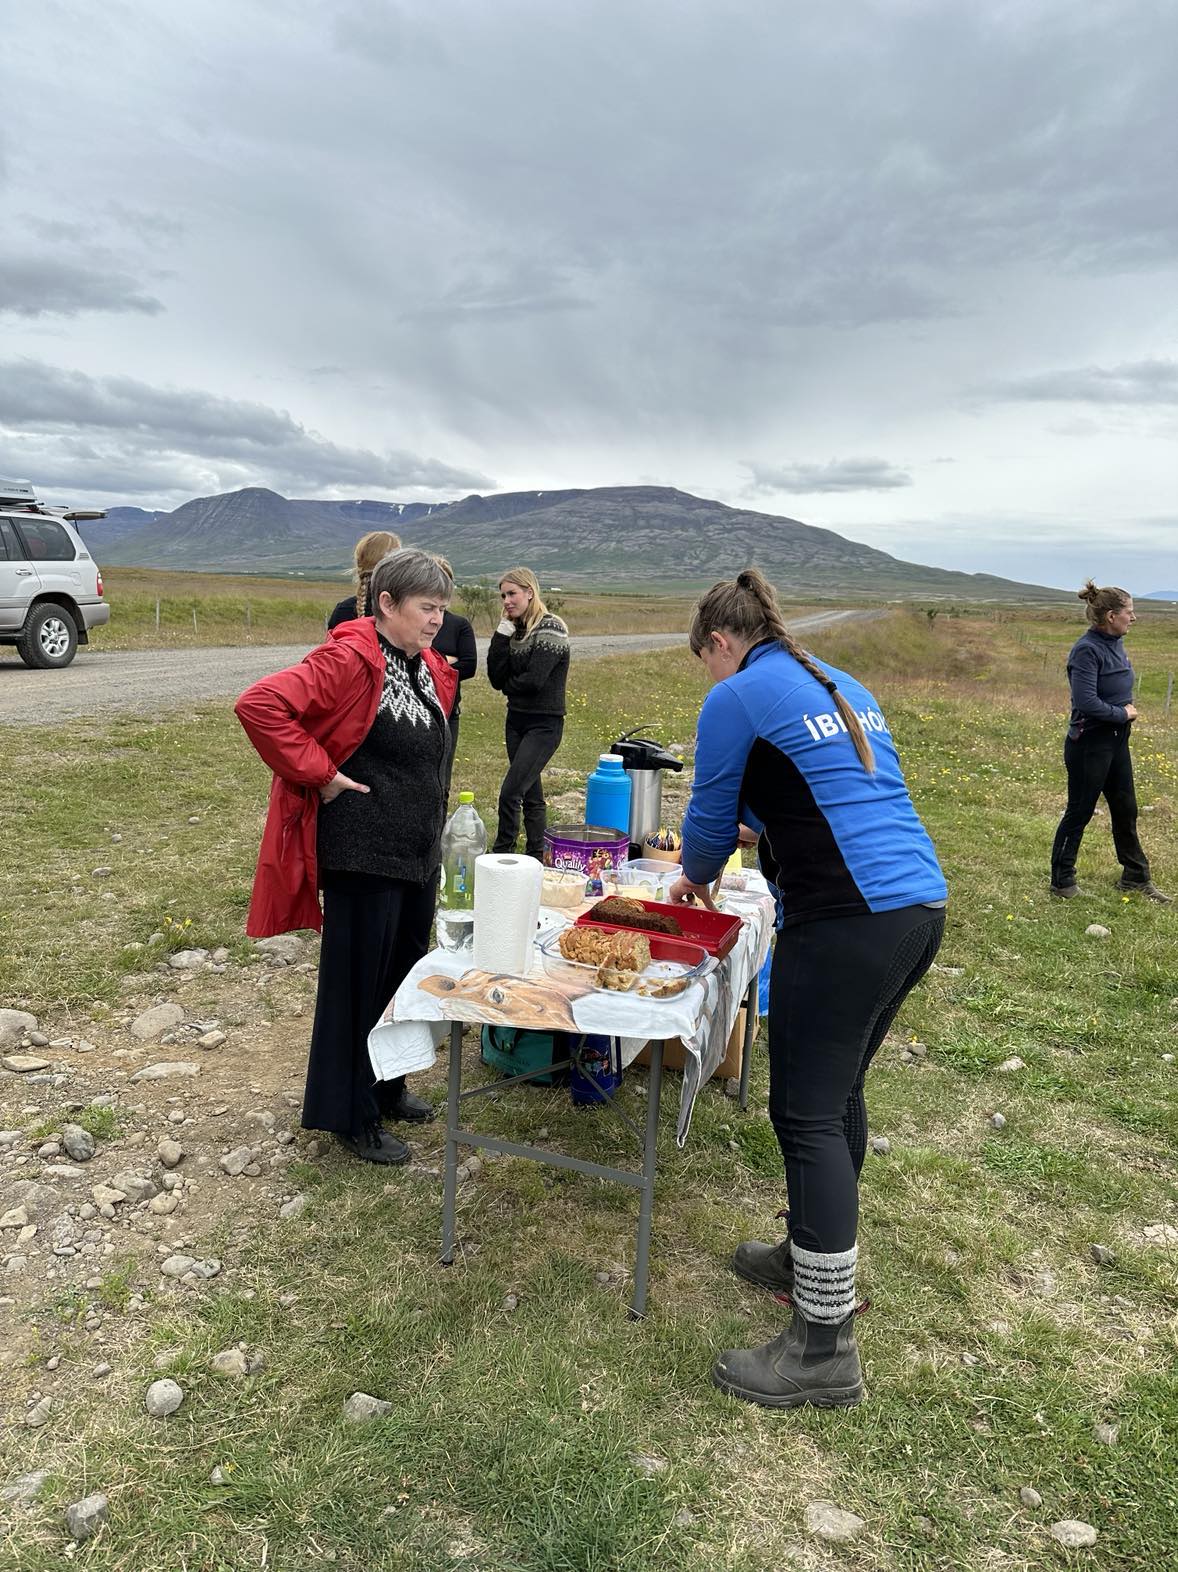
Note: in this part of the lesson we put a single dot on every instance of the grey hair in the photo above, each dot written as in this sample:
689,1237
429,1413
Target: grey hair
408,572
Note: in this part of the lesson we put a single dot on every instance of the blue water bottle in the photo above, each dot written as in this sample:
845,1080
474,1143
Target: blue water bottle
607,795
596,1071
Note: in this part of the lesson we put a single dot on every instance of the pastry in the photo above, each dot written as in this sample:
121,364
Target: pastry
596,947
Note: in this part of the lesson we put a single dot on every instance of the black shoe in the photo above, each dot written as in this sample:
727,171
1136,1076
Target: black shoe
410,1109
810,1362
1065,892
1147,888
374,1145
768,1266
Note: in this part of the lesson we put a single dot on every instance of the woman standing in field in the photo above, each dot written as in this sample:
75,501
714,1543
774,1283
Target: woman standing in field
1096,748
801,750
369,550
356,736
528,660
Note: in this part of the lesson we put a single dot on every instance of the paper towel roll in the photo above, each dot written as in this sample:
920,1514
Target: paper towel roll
506,909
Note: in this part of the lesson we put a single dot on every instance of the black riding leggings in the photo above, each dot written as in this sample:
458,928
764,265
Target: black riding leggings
837,985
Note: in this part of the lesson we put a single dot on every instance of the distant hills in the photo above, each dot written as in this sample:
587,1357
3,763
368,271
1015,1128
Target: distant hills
610,536
1160,595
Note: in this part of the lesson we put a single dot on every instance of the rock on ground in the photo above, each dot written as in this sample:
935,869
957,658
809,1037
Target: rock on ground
167,1070
155,1022
79,1143
84,1518
826,1521
15,1024
1072,1534
361,1407
163,1398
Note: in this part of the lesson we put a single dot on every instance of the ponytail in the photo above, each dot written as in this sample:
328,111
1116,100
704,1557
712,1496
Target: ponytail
747,606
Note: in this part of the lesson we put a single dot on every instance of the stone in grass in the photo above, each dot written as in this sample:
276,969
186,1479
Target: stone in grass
1072,1534
361,1407
15,1024
649,1465
1030,1498
295,1207
1097,930
1012,1064
1105,1434
236,1162
79,1143
163,1398
998,1121
880,1145
826,1521
25,1490
187,960
232,1363
39,1414
84,1518
1102,1255
169,1152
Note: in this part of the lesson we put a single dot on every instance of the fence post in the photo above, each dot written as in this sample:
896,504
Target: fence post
1169,690
195,629
249,621
157,616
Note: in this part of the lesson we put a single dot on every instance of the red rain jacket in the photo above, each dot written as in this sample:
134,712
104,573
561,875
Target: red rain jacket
306,722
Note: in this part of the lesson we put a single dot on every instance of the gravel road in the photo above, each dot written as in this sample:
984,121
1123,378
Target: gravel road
151,682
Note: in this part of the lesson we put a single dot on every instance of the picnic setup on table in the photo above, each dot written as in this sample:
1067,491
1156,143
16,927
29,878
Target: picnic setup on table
579,967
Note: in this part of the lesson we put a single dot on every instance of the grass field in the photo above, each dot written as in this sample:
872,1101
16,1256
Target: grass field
533,1438
238,610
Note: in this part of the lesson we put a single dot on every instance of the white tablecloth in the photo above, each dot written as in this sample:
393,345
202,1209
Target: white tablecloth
414,1025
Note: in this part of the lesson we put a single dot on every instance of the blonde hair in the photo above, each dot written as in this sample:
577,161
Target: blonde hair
1102,601
369,550
526,579
444,564
747,607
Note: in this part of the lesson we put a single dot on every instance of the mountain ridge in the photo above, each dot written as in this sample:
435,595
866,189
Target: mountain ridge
606,536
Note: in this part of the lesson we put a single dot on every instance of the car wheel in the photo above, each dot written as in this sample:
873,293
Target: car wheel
49,637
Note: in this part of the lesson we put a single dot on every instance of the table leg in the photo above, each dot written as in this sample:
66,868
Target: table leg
646,1205
450,1163
746,1053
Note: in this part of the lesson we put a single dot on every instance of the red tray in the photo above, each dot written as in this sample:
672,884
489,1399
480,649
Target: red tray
714,932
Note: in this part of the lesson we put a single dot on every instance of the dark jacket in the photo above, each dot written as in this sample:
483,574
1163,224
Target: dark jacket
344,612
1101,680
456,637
532,670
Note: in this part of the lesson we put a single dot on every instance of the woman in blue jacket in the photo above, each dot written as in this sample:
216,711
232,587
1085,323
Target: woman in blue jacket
800,748
1096,748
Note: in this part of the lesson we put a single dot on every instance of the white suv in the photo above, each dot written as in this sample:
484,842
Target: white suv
50,585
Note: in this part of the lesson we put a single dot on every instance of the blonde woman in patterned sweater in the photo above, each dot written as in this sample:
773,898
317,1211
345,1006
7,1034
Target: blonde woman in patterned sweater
529,662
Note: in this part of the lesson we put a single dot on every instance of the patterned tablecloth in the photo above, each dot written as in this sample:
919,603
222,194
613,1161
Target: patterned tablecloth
443,987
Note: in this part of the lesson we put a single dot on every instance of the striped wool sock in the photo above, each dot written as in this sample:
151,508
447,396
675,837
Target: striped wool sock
824,1285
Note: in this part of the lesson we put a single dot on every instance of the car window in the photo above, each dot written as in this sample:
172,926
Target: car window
47,541
11,549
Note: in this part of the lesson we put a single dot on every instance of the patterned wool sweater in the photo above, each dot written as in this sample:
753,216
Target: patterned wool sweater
531,670
395,828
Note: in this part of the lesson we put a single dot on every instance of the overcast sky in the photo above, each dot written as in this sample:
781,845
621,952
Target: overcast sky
904,269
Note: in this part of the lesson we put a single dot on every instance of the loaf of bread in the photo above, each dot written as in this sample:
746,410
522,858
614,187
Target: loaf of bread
632,914
617,950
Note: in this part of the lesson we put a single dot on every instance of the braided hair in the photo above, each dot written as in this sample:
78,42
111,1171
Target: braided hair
370,549
747,607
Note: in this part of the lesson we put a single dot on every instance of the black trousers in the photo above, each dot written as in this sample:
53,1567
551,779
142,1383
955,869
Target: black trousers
531,742
836,986
1098,761
374,930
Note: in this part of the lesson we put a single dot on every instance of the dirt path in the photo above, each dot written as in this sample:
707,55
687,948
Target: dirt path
154,681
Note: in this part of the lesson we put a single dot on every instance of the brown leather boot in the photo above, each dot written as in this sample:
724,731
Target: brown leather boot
810,1362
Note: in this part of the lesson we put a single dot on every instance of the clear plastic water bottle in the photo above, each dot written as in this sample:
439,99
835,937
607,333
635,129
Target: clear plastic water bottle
463,839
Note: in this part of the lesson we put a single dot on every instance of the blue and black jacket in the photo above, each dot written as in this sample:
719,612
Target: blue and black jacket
772,751
1101,679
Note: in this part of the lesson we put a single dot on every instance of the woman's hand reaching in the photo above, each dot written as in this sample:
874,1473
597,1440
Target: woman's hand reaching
683,892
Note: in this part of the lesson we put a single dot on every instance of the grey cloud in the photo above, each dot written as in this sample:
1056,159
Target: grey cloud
45,285
852,474
115,418
1133,382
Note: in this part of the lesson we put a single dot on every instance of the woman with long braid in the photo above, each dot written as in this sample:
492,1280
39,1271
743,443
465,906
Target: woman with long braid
369,550
802,751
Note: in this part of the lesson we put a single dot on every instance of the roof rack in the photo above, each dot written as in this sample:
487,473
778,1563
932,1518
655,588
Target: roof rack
20,495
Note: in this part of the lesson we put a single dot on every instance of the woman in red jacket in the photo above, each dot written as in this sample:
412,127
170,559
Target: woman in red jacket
357,737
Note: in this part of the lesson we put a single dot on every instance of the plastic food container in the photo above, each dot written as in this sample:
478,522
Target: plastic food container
562,888
641,879
672,962
713,931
